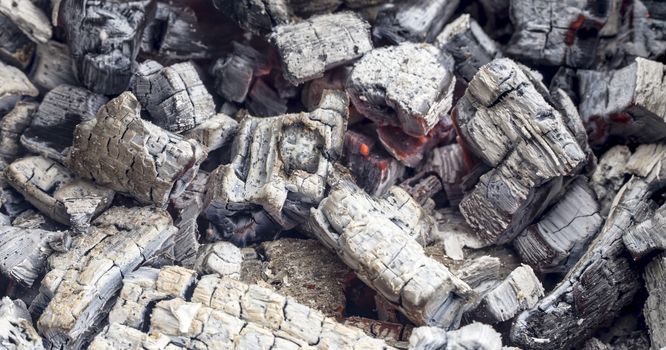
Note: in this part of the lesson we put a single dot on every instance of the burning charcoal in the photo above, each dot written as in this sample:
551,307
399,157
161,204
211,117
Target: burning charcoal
320,43
24,251
174,34
52,128
83,281
379,239
145,161
215,132
560,237
609,176
519,291
174,96
17,330
417,20
117,336
15,47
624,103
256,16
12,125
28,18
13,85
104,38
279,165
422,188
505,118
373,170
469,46
604,280
264,101
412,90
53,66
145,286
655,314
234,73
556,33
221,258
394,334
473,336
185,209
55,191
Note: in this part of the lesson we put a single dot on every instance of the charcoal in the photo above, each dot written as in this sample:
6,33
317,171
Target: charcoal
146,162
378,239
320,43
17,329
117,336
608,176
373,170
13,85
83,281
221,258
655,315
216,132
332,80
473,336
174,96
604,280
556,33
448,164
647,237
12,125
264,101
279,166
185,210
28,18
256,16
422,188
174,34
16,48
413,90
469,46
234,73
104,39
394,334
51,131
306,8
417,20
559,238
482,274
454,233
52,66
507,121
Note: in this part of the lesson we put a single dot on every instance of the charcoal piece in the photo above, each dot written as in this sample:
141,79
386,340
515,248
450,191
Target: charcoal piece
16,48
378,239
13,85
24,251
482,273
647,237
28,18
17,330
56,192
235,72
117,336
84,281
506,120
264,101
185,210
468,44
306,8
104,39
521,290
53,66
121,151
422,188
454,233
12,125
609,176
148,285
31,218
559,238
332,80
394,334
320,43
472,336
448,164
373,170
556,33
604,280
174,34
174,96
62,109
417,21
279,166
413,89
655,314
624,104
221,258
256,16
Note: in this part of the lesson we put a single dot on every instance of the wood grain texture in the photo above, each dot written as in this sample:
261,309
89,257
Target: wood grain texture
655,314
417,21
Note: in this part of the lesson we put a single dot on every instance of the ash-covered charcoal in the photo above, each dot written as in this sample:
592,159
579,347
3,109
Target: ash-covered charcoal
422,188
482,273
415,20
12,126
648,236
147,286
13,86
559,238
411,150
216,132
52,66
409,86
256,16
654,311
51,131
16,48
374,170
311,47
117,336
234,73
174,34
121,151
394,334
379,239
221,258
174,96
82,282
56,192
453,232
448,163
604,280
264,101
476,335
18,332
557,33
185,210
468,44
29,18
104,39
506,119
24,251
609,176
279,166
624,105
334,79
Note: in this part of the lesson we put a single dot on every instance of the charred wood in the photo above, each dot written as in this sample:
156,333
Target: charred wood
15,47
17,329
53,66
417,20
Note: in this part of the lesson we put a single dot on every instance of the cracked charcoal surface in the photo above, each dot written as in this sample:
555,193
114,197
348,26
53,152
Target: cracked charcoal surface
17,329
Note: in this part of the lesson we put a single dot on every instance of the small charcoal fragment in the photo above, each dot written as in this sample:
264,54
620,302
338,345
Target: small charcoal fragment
53,66
13,85
185,209
18,332
417,20
219,130
29,18
256,16
234,73
374,170
476,335
655,314
15,47
221,258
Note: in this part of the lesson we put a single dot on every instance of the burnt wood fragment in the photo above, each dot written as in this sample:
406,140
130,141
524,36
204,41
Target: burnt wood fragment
264,101
417,20
17,330
185,210
647,236
214,133
29,18
234,73
609,176
256,16
373,170
473,336
52,66
655,314
15,47
221,258
448,163
117,336
12,126
13,86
